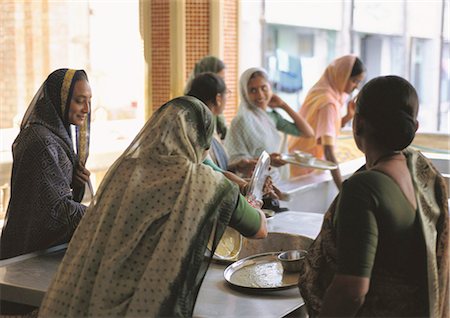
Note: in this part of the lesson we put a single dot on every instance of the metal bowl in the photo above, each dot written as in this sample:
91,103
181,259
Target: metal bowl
292,260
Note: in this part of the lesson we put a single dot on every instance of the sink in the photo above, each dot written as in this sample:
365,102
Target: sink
274,242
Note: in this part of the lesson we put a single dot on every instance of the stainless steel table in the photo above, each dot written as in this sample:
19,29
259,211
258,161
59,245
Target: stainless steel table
25,279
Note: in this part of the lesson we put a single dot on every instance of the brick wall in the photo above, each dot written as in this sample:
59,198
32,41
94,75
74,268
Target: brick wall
29,51
160,56
197,33
197,44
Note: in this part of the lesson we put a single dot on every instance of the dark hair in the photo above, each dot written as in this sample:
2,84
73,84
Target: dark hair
358,68
389,104
80,75
206,86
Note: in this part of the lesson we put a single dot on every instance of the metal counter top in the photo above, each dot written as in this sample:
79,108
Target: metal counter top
25,279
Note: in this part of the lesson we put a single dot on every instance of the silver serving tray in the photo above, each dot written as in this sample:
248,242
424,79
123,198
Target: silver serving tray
261,272
315,163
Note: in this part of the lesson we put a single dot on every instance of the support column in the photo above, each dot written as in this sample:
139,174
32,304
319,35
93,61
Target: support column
177,47
216,28
145,21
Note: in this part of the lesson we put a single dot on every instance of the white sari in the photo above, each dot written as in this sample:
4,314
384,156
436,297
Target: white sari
252,131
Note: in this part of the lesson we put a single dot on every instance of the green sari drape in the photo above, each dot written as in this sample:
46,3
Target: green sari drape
140,249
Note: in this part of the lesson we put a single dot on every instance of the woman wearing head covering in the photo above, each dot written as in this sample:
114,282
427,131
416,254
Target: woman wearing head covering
141,251
322,110
256,128
217,66
212,91
383,250
48,175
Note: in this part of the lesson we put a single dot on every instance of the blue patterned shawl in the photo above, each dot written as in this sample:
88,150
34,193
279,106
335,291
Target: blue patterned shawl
44,209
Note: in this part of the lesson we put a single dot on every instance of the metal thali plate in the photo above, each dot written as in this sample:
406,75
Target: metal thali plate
256,183
261,272
229,246
315,163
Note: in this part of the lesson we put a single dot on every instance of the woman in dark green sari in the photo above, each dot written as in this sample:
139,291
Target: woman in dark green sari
140,250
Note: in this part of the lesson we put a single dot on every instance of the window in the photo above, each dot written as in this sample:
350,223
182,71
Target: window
100,37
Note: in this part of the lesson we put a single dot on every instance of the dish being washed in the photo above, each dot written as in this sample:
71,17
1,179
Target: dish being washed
229,246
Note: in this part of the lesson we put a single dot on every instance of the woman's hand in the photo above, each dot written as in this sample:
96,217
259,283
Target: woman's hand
80,176
246,166
269,190
276,102
302,125
276,161
351,108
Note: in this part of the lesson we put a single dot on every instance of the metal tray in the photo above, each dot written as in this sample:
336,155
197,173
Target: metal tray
315,163
261,272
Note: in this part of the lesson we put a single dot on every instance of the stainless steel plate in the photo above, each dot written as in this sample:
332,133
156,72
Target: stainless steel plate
256,184
315,163
260,272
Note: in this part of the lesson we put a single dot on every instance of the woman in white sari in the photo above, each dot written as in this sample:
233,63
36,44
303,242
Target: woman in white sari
255,128
140,250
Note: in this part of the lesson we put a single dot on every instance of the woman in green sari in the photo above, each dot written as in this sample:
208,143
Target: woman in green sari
141,249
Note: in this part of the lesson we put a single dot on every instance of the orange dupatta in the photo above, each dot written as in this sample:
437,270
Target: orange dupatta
329,90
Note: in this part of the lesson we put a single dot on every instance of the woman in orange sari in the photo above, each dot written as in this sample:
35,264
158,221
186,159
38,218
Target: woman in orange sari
322,108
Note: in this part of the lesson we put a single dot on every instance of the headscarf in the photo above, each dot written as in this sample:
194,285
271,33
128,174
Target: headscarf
252,131
329,90
214,65
140,249
44,207
50,108
207,64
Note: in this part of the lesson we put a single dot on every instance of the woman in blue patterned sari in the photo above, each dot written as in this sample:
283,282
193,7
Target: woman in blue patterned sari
48,175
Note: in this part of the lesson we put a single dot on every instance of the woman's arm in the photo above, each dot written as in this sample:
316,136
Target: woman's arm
301,124
344,296
248,221
351,106
335,173
244,166
262,231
